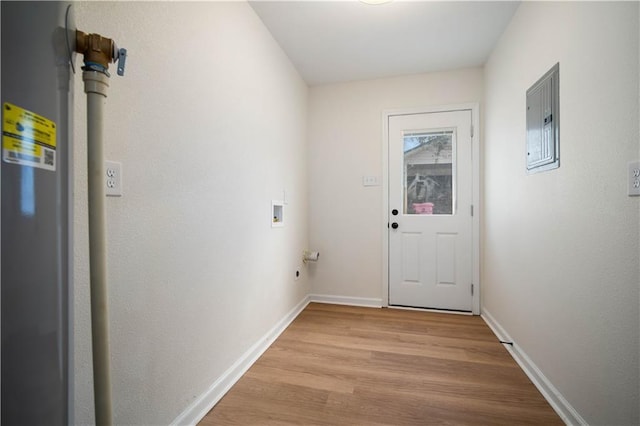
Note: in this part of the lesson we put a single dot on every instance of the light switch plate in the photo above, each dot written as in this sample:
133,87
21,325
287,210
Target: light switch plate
113,178
370,181
634,178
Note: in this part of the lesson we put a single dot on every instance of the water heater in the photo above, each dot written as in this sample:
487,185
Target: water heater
35,290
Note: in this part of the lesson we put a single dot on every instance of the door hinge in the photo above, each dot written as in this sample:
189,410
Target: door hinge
472,289
471,209
472,130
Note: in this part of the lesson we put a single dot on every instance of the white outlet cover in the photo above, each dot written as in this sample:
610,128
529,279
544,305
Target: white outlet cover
113,178
634,178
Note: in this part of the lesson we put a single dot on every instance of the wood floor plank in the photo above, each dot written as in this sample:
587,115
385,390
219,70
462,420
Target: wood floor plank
345,365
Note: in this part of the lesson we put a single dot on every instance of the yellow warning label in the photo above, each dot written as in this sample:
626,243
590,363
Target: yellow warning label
28,138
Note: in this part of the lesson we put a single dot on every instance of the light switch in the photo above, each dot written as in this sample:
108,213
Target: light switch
370,181
634,178
113,178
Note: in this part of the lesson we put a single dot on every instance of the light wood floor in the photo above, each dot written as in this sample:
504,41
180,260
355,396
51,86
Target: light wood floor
341,365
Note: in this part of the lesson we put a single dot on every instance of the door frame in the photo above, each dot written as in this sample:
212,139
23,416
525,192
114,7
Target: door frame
475,154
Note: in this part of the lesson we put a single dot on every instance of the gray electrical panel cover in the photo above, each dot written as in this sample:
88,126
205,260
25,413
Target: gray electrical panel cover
543,123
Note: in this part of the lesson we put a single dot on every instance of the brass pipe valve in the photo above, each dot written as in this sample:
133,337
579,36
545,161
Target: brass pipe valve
99,52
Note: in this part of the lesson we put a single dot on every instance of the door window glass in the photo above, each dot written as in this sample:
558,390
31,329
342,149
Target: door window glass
429,161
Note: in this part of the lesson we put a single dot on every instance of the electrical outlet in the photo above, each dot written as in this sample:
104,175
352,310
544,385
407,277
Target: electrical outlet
113,178
634,178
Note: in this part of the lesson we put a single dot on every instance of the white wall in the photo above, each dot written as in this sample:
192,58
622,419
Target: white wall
210,124
560,270
345,143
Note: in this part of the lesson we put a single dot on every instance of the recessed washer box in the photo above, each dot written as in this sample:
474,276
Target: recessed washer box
277,214
543,123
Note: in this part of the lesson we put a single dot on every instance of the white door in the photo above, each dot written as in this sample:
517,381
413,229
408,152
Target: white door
430,210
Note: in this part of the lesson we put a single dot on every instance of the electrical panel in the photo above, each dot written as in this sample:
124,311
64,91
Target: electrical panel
543,123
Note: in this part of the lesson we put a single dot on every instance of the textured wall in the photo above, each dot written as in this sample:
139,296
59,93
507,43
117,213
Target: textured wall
560,269
345,143
209,123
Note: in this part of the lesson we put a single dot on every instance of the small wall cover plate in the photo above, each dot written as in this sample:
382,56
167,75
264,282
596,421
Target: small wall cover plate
113,178
634,178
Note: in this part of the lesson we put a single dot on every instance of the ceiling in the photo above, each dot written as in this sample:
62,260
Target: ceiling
337,41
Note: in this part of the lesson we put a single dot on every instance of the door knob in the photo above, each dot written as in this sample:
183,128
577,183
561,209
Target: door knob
394,225
394,212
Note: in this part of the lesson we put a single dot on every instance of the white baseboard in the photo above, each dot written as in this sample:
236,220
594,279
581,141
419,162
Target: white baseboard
205,402
344,300
566,412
